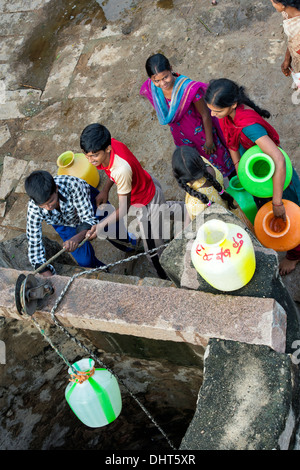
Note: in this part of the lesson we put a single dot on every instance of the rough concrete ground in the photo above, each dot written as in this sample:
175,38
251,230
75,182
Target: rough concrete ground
64,67
69,66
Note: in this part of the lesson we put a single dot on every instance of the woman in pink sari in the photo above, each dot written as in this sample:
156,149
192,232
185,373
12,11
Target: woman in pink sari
178,102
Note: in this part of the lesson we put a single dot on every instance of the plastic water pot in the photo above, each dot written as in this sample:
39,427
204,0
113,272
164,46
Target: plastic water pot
223,255
93,395
256,169
76,164
273,232
243,198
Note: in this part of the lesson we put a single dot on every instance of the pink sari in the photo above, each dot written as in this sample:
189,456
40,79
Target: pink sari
186,123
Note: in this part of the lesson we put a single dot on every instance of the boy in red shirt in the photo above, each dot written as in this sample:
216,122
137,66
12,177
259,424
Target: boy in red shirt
135,187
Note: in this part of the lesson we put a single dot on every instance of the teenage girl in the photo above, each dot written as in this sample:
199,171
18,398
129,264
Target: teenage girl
202,183
244,125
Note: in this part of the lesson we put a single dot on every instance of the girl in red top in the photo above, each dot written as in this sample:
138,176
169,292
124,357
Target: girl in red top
243,124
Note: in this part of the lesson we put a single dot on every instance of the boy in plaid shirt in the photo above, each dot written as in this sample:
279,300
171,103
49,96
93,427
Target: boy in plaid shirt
68,204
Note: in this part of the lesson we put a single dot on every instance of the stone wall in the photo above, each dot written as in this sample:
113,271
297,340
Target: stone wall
250,396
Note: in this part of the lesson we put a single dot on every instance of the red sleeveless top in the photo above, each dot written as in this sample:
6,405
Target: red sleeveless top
142,186
233,128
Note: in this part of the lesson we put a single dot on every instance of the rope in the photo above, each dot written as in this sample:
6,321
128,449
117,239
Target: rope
85,348
82,376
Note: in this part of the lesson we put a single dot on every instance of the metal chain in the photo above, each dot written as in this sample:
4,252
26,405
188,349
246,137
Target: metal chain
80,344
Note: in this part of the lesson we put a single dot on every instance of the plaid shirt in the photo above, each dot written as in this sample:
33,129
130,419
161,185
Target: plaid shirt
76,210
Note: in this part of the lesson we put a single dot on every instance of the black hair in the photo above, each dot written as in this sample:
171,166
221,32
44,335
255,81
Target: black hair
95,137
223,93
188,166
40,186
157,63
290,3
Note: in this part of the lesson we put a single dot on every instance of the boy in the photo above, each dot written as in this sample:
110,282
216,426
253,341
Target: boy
68,204
135,187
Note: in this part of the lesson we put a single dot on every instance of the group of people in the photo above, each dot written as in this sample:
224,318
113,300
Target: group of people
212,126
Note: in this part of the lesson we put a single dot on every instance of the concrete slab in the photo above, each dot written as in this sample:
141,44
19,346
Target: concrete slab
79,87
2,208
246,401
4,134
46,119
21,5
62,71
292,281
109,32
44,147
7,44
266,281
7,233
10,23
33,166
12,171
16,104
16,218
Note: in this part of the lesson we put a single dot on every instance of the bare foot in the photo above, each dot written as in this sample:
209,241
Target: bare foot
286,266
214,2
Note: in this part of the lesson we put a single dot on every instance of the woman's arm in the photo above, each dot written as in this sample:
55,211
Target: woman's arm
235,157
270,148
209,146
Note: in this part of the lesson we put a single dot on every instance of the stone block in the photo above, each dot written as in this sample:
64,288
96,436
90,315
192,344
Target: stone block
176,258
51,167
292,281
46,119
14,104
156,312
12,171
2,208
14,254
62,71
266,282
246,402
4,134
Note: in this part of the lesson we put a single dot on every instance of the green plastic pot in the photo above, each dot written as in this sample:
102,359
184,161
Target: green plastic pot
243,198
256,170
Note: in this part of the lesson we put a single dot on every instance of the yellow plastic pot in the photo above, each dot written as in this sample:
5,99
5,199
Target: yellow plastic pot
223,255
76,164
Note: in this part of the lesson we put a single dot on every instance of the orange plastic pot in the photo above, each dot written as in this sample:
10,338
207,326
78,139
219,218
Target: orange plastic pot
273,232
